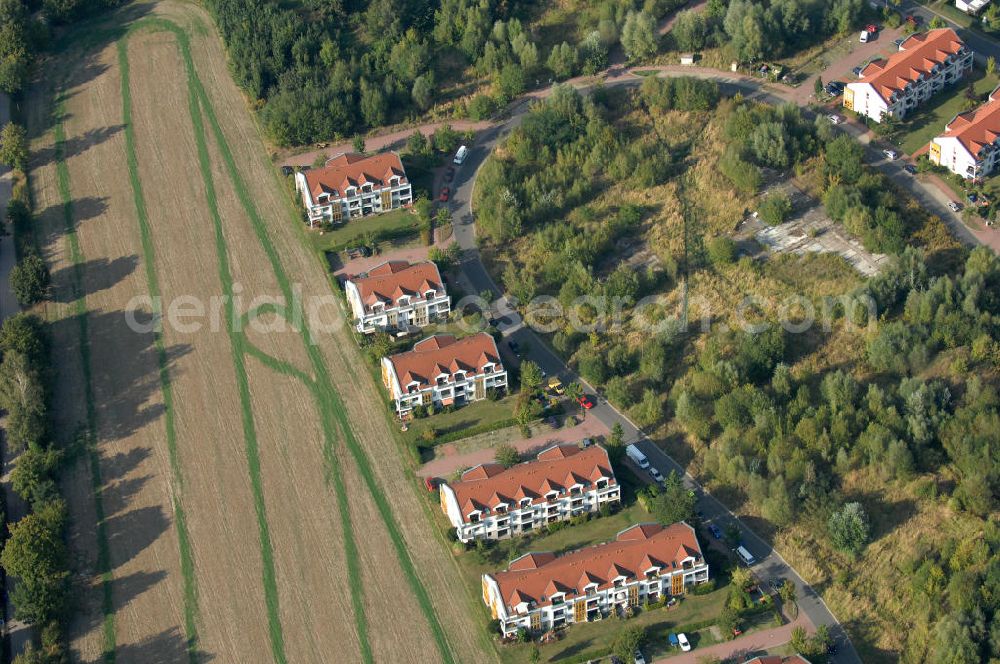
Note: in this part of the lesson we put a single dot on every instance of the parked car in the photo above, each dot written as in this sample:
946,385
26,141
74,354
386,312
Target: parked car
834,119
556,385
432,483
872,29
587,442
585,401
775,583
955,206
513,347
914,19
638,458
672,640
449,174
445,193
656,475
715,530
972,197
682,639
857,70
899,42
287,170
639,659
911,169
865,36
891,155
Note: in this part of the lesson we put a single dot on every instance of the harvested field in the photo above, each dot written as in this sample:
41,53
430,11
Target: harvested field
249,493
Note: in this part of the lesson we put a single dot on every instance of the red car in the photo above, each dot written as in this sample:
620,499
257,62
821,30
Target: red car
585,402
913,20
871,28
432,483
444,194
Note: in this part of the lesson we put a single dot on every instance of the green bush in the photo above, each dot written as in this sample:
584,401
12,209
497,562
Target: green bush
721,251
775,209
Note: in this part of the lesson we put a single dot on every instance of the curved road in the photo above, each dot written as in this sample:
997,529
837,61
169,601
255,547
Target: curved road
770,565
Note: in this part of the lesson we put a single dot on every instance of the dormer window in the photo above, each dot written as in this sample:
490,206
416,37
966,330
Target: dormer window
526,502
619,582
459,375
429,294
501,509
551,495
558,598
441,380
653,574
394,181
403,300
474,517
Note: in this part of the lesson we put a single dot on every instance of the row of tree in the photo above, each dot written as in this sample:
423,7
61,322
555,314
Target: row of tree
35,552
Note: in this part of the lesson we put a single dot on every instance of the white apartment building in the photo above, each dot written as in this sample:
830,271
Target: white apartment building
397,295
970,142
492,502
926,63
542,591
351,186
443,371
971,6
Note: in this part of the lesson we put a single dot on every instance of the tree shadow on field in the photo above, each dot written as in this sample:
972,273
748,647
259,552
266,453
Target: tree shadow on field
84,209
99,274
167,647
130,533
74,146
125,369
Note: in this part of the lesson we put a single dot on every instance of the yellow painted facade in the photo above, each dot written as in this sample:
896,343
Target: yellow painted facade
849,99
934,153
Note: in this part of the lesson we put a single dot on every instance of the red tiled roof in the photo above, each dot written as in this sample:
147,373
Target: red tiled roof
352,169
556,468
444,354
628,554
917,55
392,279
977,128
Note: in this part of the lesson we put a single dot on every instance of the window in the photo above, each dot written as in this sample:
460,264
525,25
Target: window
474,517
501,509
526,502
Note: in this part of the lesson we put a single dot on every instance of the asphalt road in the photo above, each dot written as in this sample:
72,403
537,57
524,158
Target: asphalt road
769,564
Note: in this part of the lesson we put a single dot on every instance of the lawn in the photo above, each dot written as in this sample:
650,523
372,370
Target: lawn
396,224
930,119
479,414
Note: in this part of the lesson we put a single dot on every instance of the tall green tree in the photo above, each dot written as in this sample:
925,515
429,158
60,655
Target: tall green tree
36,555
639,35
674,502
13,146
849,529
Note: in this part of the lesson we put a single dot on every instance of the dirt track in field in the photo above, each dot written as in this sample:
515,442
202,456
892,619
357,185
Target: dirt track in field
254,499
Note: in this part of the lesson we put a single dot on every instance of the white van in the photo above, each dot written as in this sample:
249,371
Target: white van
745,556
637,456
460,155
865,36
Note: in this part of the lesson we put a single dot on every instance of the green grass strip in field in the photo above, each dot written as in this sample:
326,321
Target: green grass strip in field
242,382
153,285
80,313
329,400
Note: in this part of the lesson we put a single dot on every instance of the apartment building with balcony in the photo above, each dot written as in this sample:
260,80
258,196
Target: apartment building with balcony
397,296
542,591
923,66
970,142
492,502
443,371
351,186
